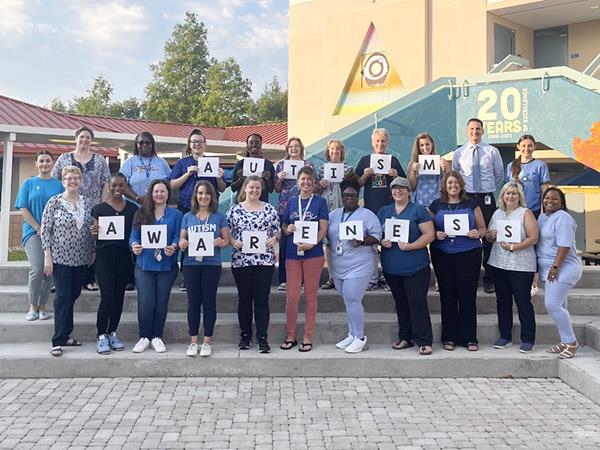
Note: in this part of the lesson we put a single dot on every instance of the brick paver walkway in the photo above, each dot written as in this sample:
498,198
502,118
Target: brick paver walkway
297,413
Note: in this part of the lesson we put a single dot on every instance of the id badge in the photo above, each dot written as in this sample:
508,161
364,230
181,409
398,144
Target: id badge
157,255
339,248
299,251
199,258
487,200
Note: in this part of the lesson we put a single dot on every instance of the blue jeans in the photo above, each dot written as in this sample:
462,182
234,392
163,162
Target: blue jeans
154,289
68,281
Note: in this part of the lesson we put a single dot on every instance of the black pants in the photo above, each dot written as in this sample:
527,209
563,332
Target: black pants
410,295
488,212
114,269
457,275
68,281
512,284
201,283
253,285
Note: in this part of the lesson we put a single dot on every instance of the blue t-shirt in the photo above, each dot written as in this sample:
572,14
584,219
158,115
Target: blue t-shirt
399,262
533,174
316,211
427,190
186,190
215,222
456,244
33,195
140,172
146,260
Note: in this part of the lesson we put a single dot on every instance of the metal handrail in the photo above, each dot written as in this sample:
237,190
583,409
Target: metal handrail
509,61
593,66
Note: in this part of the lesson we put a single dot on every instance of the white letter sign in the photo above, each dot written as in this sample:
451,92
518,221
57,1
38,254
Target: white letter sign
429,164
456,224
201,244
111,228
291,168
508,231
352,229
381,163
396,230
253,166
254,241
208,167
154,236
333,172
306,232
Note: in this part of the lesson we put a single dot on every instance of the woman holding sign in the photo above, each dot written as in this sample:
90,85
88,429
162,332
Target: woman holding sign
111,227
425,186
559,266
68,250
305,222
286,176
456,259
254,165
513,231
254,228
405,263
353,234
203,234
153,240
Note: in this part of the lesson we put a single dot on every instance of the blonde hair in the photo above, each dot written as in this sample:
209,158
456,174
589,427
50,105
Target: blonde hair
247,180
287,147
511,185
336,142
70,169
414,157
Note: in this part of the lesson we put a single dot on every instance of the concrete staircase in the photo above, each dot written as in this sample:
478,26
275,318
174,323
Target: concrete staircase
24,346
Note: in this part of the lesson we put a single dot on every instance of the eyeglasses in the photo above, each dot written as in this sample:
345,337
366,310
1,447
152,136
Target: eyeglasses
142,143
197,142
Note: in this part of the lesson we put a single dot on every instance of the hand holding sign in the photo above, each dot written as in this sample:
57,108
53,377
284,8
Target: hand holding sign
333,172
254,241
456,224
306,232
291,168
508,231
253,166
381,163
201,244
396,230
352,229
429,164
111,228
154,236
208,167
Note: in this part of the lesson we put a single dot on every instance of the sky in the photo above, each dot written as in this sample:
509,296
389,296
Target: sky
55,48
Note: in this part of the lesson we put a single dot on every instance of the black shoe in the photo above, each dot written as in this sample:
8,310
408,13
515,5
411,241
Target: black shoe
182,286
245,342
130,287
488,287
263,346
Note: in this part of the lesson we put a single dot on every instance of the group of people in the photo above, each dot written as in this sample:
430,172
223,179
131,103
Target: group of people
447,219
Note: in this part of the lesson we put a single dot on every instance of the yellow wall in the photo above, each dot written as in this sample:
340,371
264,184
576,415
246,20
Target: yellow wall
523,38
584,38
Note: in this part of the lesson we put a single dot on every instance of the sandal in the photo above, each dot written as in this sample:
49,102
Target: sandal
450,346
472,346
569,351
425,350
402,344
558,348
56,351
72,343
328,285
90,287
287,345
305,347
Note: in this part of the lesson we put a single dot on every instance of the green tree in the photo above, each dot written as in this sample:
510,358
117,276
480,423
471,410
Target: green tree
130,108
227,100
271,106
97,102
58,105
176,90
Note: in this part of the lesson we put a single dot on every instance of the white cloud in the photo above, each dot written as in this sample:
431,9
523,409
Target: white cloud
13,18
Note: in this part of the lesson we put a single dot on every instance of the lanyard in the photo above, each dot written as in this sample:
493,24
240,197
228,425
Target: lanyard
348,216
300,213
147,168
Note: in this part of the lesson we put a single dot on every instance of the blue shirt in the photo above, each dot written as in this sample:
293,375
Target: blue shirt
215,222
146,260
354,262
426,190
140,172
399,262
490,166
316,211
457,244
533,174
33,195
186,190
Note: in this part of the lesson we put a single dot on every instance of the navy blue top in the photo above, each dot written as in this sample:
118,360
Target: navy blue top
186,190
457,244
318,210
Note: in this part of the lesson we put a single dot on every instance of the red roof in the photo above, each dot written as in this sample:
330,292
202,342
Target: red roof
272,133
29,149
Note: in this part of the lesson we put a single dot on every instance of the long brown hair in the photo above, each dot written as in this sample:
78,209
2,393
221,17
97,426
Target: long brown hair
414,157
210,189
444,191
516,164
145,215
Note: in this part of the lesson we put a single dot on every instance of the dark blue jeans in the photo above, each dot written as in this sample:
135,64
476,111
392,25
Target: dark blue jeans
67,281
154,290
201,283
512,284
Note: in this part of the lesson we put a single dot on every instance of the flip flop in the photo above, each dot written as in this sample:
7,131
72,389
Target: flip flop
72,343
305,347
56,351
90,287
287,345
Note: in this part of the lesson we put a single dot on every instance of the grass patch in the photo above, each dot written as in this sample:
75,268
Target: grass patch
17,255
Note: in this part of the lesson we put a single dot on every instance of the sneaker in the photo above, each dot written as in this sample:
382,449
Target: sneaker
357,346
130,287
192,350
32,315
141,346
526,347
263,346
43,315
502,343
372,287
205,350
114,342
102,345
158,345
488,287
245,342
282,287
182,286
345,342
534,291
383,284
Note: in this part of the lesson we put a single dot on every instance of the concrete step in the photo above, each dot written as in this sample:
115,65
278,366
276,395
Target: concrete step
380,328
17,273
581,301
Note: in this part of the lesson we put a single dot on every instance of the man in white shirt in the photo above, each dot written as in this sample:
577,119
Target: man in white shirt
481,167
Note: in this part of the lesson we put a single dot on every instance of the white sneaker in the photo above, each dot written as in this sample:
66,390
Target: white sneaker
43,315
357,346
141,346
205,350
345,342
534,290
158,345
192,350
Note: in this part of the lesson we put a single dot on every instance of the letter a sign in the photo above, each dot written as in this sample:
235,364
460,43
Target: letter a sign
112,228
201,244
208,167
